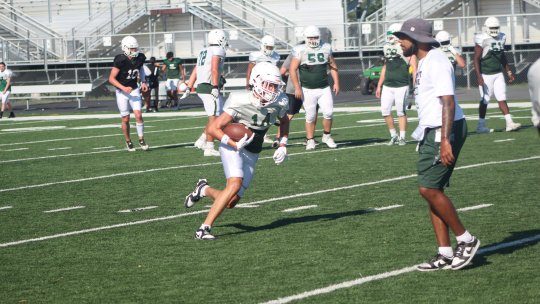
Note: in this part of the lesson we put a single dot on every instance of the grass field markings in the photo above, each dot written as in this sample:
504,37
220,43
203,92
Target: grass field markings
15,149
54,149
64,209
379,120
103,148
298,208
101,228
498,162
138,209
384,208
34,129
340,128
6,207
502,140
474,207
389,274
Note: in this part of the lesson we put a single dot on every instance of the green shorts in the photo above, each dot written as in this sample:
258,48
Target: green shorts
431,172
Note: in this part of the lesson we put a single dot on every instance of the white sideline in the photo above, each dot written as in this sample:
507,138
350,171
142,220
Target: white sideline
474,207
386,274
64,209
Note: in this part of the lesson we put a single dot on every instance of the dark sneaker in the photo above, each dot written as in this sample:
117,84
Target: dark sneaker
147,110
305,142
204,234
1,113
195,196
11,115
275,143
438,262
155,109
465,252
143,145
130,146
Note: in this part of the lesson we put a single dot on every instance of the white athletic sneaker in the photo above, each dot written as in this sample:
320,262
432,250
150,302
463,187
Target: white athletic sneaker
201,144
130,146
483,129
327,139
438,262
143,144
393,140
267,140
204,234
211,152
310,144
195,196
465,252
402,141
513,126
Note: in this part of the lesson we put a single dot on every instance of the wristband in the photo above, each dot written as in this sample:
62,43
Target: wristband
225,139
283,140
509,72
216,87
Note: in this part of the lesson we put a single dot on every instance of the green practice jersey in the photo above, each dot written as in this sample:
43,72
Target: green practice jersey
492,52
397,66
7,73
173,67
313,62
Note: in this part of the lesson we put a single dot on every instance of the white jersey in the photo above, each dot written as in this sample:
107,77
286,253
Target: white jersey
259,56
313,62
204,63
434,78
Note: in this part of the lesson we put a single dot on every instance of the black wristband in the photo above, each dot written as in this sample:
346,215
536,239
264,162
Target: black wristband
216,87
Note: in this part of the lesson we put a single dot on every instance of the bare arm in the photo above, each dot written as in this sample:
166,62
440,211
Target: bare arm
114,82
7,85
295,63
250,67
504,62
414,65
381,81
182,71
192,78
163,68
477,57
215,70
335,74
448,112
216,128
460,61
284,126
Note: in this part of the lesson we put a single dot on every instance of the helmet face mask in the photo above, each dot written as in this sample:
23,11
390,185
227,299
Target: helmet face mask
493,27
268,45
129,43
265,80
443,37
390,37
312,36
218,37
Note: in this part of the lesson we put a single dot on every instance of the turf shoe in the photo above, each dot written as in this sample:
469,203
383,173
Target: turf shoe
483,129
393,140
201,144
195,196
211,152
465,252
143,145
1,113
438,262
327,139
204,234
12,115
305,142
310,144
147,110
402,141
130,146
509,127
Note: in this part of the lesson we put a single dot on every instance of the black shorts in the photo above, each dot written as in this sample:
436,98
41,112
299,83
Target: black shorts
295,104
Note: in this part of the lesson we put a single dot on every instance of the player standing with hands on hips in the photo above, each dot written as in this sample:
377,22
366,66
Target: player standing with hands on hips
123,76
257,109
441,133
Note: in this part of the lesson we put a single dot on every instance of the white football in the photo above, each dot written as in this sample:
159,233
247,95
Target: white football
182,87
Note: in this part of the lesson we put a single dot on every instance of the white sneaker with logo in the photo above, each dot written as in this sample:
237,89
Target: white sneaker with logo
327,139
513,126
310,144
465,252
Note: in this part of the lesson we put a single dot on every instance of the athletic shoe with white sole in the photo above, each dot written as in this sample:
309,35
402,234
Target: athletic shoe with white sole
211,152
267,140
438,262
201,144
130,146
483,129
143,145
393,140
204,234
465,252
305,142
310,144
402,141
327,139
509,127
195,196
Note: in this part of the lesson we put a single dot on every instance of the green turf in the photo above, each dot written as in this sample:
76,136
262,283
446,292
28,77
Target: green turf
261,253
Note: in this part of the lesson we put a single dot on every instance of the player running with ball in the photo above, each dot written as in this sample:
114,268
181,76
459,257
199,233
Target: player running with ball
258,110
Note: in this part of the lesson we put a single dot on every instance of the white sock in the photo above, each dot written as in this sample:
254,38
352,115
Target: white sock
402,134
203,226
508,118
393,132
209,145
203,137
446,251
482,122
203,191
140,129
466,237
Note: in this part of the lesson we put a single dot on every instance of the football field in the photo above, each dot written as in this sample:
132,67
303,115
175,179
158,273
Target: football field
84,220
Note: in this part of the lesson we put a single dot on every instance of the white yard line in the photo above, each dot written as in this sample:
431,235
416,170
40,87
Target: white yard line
66,148
6,207
383,208
385,275
103,148
502,140
65,209
138,209
15,149
299,208
474,207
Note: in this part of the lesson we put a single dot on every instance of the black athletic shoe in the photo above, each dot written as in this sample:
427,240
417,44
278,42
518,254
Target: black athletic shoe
195,196
143,145
438,262
155,109
276,124
11,115
465,252
204,234
275,143
147,110
130,146
1,113
305,142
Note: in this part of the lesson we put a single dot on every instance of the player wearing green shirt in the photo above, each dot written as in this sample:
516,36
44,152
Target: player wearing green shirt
174,67
5,89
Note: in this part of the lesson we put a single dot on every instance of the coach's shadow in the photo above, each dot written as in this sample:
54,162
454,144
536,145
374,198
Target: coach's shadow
481,259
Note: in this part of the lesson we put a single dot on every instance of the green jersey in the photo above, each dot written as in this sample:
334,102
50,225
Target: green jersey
7,73
173,66
492,52
397,66
313,62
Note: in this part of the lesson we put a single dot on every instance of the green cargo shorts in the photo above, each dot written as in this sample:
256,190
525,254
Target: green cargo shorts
431,172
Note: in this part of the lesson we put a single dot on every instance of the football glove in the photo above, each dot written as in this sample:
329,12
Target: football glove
244,141
452,50
280,155
215,93
186,94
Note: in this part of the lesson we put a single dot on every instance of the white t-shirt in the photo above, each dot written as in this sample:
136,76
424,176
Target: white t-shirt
434,78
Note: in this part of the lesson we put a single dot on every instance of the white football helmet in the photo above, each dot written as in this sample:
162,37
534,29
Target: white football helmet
218,37
390,38
265,80
444,39
312,31
268,44
493,26
130,42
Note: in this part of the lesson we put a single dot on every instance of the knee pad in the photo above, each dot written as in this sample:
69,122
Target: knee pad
328,116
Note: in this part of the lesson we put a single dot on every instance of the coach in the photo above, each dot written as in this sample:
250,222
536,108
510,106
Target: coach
441,134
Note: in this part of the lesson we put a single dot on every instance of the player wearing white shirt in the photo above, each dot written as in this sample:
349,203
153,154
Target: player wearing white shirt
258,110
5,89
206,75
311,60
488,57
533,76
441,133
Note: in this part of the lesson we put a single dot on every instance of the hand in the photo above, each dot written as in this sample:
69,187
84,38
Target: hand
511,78
298,94
378,92
215,93
447,157
127,90
336,88
248,87
144,87
244,141
480,81
186,94
280,155
452,50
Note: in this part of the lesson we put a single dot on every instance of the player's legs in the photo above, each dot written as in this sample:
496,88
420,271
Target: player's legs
156,100
5,102
401,95
310,106
147,96
326,104
135,103
387,101
213,108
486,91
500,94
122,100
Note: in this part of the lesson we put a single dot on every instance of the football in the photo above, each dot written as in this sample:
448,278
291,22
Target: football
236,131
182,88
